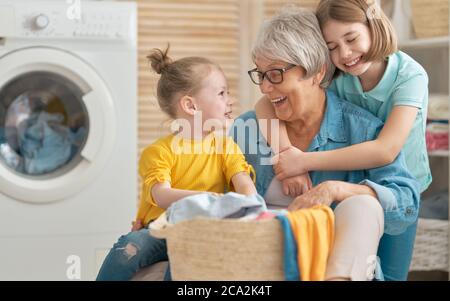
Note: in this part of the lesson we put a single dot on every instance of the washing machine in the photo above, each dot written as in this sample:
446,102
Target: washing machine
68,128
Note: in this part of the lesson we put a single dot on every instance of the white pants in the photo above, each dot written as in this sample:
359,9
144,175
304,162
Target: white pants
359,225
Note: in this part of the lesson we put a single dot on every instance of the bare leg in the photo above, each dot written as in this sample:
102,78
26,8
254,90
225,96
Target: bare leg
359,225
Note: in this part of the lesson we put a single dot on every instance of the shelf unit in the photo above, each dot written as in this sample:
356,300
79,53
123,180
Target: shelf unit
433,55
439,153
425,43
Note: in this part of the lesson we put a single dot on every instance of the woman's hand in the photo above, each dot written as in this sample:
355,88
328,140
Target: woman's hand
297,185
289,162
324,194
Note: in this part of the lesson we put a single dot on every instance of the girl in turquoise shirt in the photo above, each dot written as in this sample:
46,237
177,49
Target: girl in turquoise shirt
374,75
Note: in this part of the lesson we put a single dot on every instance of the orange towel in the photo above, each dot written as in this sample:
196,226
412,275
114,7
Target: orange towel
313,230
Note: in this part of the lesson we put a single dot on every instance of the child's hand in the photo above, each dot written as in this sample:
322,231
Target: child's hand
288,163
136,226
297,185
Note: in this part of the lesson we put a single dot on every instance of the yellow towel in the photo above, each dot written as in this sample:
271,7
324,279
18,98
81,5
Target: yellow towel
313,230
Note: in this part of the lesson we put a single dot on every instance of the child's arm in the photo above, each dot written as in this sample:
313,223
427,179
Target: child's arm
164,195
277,138
376,153
243,184
136,225
366,155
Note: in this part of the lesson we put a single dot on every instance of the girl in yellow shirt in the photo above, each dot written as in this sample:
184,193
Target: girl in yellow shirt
197,157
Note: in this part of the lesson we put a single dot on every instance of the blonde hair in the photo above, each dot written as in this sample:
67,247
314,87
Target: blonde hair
293,36
178,78
384,39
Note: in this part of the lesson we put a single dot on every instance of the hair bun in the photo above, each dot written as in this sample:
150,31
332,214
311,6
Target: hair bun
159,60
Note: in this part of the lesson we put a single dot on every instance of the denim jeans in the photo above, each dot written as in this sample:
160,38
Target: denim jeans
168,275
395,252
131,253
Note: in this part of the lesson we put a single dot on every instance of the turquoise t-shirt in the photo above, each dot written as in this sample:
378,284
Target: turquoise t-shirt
404,83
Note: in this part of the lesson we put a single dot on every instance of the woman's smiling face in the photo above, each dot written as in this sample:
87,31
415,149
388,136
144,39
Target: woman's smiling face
290,97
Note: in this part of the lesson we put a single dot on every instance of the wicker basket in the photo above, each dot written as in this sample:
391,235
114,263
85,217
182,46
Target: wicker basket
431,247
430,18
211,249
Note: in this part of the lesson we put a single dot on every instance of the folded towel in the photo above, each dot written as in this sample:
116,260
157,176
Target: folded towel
438,107
437,136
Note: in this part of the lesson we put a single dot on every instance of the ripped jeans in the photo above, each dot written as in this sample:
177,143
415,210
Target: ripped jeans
131,253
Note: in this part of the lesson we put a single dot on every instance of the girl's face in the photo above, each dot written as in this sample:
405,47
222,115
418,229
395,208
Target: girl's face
348,44
293,95
213,101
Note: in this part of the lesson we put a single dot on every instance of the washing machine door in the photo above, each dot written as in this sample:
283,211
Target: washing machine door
57,124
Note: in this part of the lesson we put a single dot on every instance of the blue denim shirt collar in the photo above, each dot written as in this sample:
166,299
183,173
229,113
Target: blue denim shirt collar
332,127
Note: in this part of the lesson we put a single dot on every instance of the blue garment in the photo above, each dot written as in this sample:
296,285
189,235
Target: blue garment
345,124
2,135
229,205
10,157
45,143
131,253
395,253
291,271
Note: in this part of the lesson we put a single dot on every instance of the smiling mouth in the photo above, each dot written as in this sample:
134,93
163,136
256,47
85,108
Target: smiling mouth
278,101
228,115
353,62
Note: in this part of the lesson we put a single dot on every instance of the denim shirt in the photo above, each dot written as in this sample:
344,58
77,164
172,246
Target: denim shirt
344,124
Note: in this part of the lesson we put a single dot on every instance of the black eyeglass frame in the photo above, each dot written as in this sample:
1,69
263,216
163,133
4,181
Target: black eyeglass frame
263,74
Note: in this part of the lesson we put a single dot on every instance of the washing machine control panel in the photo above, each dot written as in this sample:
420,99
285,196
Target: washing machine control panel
88,20
41,21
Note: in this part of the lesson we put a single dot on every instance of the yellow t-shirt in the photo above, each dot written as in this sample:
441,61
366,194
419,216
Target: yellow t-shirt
203,165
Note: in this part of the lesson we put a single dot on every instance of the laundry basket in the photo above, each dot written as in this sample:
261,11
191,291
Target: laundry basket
431,246
224,249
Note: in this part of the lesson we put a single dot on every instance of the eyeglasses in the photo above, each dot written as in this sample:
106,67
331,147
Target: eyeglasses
275,76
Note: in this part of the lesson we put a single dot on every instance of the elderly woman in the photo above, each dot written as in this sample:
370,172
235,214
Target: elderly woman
293,69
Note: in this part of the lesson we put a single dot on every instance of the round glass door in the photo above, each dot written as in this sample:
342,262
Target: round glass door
43,124
57,125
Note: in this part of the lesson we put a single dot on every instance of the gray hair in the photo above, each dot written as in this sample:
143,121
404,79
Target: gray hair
293,36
